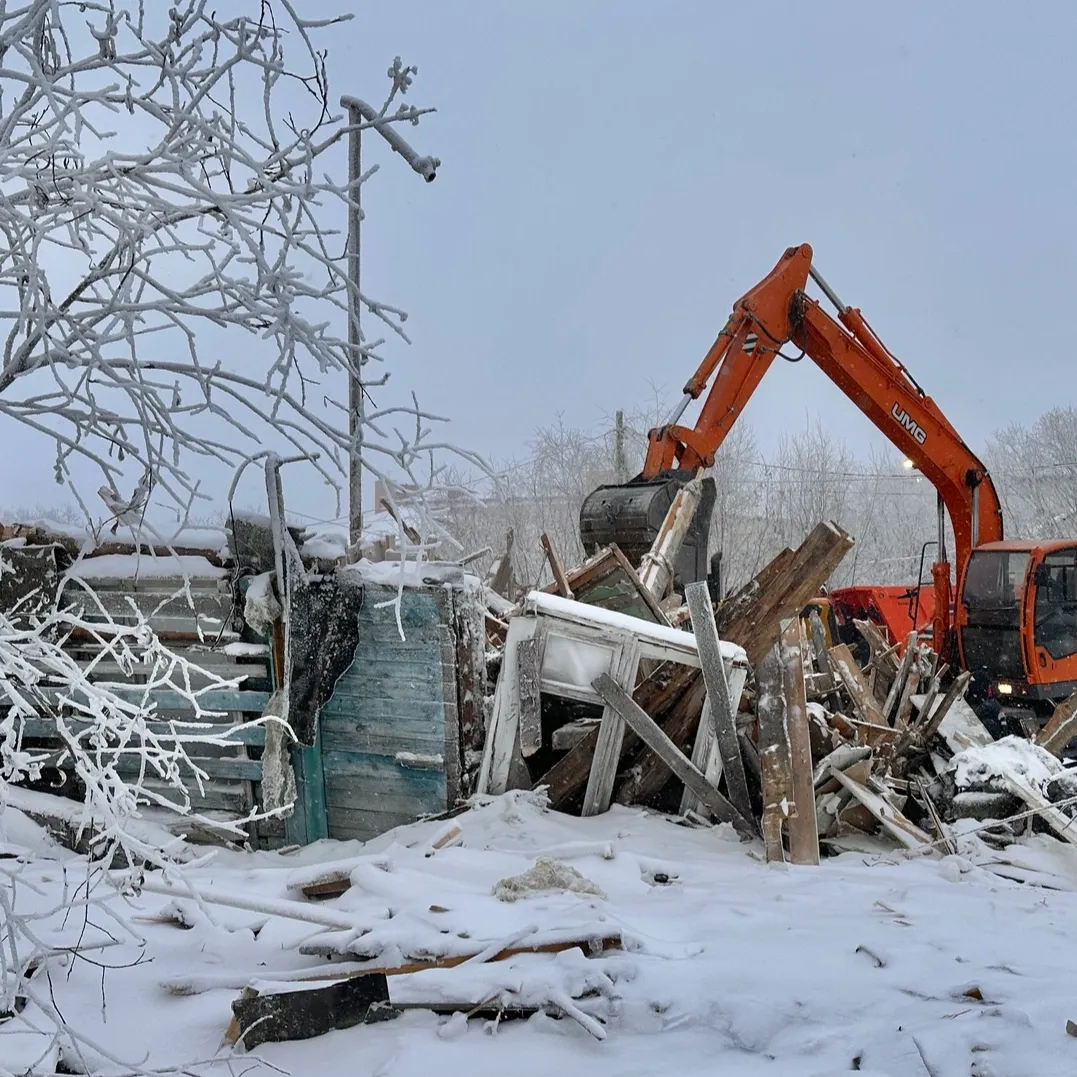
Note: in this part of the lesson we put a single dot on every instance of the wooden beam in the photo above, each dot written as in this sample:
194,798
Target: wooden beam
803,827
1061,727
817,638
751,619
904,705
930,723
851,676
774,763
503,731
556,567
893,822
637,583
611,731
503,577
893,696
649,732
657,566
1062,824
720,708
649,774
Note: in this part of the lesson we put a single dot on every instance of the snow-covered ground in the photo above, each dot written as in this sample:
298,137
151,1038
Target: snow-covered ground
873,961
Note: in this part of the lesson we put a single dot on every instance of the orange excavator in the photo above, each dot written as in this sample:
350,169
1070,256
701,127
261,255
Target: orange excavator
1012,618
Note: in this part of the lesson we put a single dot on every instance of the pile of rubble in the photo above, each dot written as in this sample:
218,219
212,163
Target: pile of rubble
610,688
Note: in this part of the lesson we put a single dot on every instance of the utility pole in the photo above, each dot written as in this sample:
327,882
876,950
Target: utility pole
620,467
356,411
359,112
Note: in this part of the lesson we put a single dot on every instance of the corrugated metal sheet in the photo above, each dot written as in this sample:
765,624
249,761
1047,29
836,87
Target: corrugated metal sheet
390,731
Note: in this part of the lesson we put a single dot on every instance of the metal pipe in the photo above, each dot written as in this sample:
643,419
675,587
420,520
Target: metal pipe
827,290
975,516
359,111
679,410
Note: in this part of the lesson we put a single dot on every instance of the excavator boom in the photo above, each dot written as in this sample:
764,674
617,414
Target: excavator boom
777,312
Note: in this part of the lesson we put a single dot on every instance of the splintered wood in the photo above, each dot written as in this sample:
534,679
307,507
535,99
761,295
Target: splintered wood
820,754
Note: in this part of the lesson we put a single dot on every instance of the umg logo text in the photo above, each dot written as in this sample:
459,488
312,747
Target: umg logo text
910,424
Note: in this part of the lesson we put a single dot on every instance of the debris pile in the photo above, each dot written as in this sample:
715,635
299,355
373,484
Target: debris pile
751,710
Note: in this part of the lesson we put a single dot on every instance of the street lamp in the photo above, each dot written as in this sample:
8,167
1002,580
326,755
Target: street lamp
359,112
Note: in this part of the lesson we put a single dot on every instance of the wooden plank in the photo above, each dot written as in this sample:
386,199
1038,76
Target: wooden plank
893,696
945,835
505,715
649,732
131,763
566,737
528,680
817,638
884,658
850,675
381,739
600,782
1064,826
939,721
774,761
904,704
803,827
705,752
1061,727
752,621
503,581
649,774
720,711
892,821
556,567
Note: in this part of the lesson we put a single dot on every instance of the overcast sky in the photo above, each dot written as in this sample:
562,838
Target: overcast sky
616,174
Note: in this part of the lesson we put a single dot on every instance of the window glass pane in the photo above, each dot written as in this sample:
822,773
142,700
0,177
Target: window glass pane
1056,604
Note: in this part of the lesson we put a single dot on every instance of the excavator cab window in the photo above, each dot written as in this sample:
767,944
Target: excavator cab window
1056,603
993,594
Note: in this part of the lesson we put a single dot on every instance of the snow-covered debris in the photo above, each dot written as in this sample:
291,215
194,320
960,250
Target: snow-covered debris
144,566
720,973
324,545
261,607
984,768
545,876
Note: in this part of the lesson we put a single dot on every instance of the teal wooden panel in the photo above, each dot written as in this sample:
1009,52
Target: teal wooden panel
390,700
382,739
309,820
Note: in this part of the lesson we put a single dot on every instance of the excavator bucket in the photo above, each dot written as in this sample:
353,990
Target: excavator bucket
631,515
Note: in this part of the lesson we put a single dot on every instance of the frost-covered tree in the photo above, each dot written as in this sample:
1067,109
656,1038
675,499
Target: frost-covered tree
174,298
172,245
1035,471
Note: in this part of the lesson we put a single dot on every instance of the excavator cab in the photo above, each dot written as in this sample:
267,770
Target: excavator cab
1017,622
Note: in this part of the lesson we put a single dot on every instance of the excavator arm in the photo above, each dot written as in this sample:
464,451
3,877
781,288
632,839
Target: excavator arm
778,312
